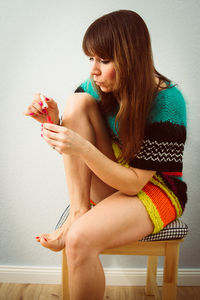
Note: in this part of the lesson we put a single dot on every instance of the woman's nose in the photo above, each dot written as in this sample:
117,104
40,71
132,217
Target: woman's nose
94,70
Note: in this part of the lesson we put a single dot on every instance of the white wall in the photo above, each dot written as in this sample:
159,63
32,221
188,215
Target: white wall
40,50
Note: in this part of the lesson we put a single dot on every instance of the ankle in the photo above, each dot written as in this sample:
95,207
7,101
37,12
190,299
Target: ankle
75,212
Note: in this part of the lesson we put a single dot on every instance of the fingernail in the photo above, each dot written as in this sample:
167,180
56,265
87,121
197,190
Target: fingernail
49,119
37,237
44,110
31,114
41,135
47,99
42,125
40,103
45,239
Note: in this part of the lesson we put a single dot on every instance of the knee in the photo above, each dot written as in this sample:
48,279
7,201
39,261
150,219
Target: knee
77,105
78,247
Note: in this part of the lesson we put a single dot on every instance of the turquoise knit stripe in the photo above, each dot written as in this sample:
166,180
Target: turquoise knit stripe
169,106
88,88
111,123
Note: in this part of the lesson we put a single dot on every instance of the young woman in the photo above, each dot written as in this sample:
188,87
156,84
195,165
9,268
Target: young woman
122,140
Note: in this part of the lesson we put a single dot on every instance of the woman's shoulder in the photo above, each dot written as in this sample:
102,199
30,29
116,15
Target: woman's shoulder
88,87
169,106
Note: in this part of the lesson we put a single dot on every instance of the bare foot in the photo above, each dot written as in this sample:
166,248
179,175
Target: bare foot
55,240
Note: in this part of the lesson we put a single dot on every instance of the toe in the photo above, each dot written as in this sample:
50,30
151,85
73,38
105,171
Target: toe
37,238
54,245
44,238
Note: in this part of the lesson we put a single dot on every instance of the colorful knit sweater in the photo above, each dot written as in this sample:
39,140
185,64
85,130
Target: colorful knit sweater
164,140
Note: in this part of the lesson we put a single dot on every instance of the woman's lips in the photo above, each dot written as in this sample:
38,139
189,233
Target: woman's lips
98,83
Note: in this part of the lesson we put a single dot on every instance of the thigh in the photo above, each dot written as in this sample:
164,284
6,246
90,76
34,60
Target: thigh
115,221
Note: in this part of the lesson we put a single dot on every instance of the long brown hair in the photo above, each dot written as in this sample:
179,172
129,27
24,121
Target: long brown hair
122,36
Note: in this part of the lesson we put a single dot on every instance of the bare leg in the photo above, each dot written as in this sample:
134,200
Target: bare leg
83,116
115,221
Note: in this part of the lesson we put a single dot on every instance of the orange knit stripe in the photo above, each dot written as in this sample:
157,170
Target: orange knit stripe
158,181
163,204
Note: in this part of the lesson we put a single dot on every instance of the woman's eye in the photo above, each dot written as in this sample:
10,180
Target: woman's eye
101,60
105,61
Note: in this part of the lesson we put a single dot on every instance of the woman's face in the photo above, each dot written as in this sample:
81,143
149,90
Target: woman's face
104,74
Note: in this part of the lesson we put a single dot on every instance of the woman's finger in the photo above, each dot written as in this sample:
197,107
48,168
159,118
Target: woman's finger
52,143
51,134
35,107
38,106
54,128
31,110
50,102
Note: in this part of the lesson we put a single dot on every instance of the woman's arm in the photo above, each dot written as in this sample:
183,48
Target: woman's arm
127,180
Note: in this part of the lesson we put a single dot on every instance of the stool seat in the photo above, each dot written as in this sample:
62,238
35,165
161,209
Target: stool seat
174,230
165,243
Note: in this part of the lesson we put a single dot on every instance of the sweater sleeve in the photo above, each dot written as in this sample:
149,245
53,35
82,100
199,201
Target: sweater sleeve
165,134
87,87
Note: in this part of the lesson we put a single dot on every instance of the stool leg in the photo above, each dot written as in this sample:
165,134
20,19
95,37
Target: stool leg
151,281
65,288
151,270
170,271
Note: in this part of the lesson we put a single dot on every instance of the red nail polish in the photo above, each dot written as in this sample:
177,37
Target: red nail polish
49,119
44,110
37,237
42,125
31,114
41,135
45,239
40,103
47,99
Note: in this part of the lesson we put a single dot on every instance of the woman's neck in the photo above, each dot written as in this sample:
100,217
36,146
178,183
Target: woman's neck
160,84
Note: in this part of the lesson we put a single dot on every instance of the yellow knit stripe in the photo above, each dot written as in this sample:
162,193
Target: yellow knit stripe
152,211
161,184
117,152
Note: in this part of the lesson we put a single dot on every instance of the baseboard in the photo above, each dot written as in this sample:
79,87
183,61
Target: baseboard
123,277
42,275
137,277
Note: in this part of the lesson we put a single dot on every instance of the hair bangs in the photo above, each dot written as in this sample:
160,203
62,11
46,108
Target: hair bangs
98,41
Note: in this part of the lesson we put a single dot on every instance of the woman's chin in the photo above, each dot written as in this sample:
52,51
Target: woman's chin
105,89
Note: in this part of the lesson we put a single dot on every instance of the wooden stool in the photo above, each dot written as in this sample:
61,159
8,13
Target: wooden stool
169,249
164,243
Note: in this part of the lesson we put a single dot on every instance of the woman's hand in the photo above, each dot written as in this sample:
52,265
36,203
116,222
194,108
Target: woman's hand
37,112
63,139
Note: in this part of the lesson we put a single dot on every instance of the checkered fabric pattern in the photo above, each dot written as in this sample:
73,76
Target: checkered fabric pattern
174,230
